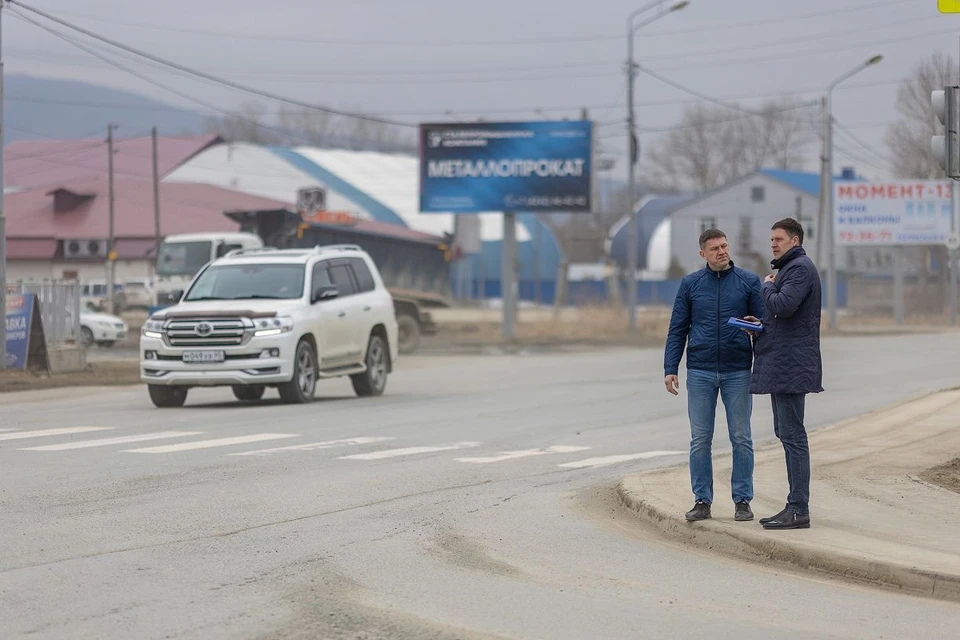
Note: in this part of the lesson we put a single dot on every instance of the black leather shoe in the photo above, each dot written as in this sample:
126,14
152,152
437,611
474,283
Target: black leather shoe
743,512
772,518
700,511
789,520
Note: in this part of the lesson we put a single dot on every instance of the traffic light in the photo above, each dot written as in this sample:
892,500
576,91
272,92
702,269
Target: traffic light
946,148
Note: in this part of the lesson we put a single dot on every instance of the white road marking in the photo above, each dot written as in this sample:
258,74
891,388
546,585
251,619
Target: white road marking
66,431
86,444
608,460
409,451
513,455
329,444
5,430
209,444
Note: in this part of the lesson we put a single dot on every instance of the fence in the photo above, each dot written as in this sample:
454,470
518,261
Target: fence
59,305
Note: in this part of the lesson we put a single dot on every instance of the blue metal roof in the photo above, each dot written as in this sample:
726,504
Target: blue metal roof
649,217
802,180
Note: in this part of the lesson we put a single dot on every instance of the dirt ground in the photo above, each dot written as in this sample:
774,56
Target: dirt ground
97,374
946,475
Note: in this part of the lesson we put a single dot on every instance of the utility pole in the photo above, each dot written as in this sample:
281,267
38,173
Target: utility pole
3,227
111,254
156,197
633,152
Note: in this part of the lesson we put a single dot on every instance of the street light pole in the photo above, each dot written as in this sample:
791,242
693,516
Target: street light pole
831,217
633,151
3,227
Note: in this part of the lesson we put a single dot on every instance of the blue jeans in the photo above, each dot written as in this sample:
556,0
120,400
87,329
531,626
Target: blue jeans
734,390
788,411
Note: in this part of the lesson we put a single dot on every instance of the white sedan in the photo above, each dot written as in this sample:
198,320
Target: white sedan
101,328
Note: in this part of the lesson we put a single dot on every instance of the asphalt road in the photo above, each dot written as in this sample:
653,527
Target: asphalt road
474,500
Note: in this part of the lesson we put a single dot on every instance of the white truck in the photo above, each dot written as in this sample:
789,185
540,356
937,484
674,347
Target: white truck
182,256
282,318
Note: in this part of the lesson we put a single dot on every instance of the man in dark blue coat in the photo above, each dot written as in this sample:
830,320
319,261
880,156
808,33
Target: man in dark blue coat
787,363
719,359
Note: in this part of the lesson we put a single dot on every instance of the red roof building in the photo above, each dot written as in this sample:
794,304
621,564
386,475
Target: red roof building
30,164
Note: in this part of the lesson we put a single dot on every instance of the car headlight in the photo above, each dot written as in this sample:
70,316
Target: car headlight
272,326
152,329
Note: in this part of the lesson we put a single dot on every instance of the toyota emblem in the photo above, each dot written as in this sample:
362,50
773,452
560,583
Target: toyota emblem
204,329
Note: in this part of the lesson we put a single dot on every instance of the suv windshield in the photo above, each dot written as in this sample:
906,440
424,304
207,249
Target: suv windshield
183,258
248,281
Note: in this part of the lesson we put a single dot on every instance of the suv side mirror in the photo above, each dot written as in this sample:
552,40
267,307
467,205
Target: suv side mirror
324,292
175,295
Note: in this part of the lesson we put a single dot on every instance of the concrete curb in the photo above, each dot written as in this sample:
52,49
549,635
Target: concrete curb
752,546
749,542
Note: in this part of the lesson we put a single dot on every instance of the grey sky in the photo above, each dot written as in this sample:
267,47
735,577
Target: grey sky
425,78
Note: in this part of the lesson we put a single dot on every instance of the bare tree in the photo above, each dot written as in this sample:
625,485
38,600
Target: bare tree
909,137
247,125
714,145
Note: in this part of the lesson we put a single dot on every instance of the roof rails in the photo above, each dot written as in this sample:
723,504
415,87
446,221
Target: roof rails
241,252
320,248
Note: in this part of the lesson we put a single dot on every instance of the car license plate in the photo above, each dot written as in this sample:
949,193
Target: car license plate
204,356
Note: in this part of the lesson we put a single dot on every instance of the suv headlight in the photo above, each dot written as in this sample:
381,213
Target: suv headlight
272,326
152,329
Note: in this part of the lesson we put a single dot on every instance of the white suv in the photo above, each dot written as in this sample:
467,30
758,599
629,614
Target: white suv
259,318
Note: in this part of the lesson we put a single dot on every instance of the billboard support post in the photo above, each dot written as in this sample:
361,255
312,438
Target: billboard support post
508,280
899,265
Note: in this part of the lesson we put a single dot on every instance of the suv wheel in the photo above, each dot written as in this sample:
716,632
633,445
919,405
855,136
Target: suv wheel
167,397
373,381
248,393
409,333
301,388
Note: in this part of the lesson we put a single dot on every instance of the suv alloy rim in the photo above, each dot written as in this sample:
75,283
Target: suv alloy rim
376,363
305,371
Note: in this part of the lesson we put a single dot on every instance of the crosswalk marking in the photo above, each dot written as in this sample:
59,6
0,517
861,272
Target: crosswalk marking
608,460
86,444
409,451
66,431
513,455
329,444
209,444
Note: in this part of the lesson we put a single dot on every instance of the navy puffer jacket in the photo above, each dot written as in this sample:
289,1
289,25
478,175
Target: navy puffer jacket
704,303
788,349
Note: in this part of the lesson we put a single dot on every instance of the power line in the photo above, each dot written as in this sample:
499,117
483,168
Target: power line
564,39
201,74
380,76
860,142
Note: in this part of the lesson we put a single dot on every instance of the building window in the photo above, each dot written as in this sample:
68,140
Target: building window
707,223
757,194
746,234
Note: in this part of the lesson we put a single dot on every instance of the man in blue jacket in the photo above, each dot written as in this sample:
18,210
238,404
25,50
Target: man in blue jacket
719,359
788,364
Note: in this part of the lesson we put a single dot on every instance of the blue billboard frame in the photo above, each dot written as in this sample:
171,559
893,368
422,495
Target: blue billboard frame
507,166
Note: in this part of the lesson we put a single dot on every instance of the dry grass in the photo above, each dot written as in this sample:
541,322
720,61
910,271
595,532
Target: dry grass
97,374
584,325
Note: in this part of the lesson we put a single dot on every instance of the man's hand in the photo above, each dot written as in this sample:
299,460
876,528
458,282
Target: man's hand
752,334
770,278
672,383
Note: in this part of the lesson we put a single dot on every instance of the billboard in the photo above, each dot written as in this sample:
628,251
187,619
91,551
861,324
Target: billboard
19,317
906,212
506,166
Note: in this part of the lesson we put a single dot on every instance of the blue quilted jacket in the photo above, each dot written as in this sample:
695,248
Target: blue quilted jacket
704,303
788,356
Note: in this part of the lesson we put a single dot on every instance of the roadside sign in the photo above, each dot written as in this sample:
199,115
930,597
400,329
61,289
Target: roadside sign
915,212
18,317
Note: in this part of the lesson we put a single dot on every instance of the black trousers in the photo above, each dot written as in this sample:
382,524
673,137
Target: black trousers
788,426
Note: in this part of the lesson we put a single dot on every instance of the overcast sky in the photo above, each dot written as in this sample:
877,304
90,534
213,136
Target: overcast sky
422,60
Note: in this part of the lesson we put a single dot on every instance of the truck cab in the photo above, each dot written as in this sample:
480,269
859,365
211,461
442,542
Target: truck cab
182,256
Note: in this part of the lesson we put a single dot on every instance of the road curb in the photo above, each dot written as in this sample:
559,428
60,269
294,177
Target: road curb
748,541
754,545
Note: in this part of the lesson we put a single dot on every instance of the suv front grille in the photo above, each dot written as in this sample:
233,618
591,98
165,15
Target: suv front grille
206,332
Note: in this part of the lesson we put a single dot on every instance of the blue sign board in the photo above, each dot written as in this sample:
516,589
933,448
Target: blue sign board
19,317
506,166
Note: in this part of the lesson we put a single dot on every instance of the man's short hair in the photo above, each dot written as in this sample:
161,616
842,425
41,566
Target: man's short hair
793,228
710,234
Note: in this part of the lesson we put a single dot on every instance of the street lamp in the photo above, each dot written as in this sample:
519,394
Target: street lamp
633,150
827,183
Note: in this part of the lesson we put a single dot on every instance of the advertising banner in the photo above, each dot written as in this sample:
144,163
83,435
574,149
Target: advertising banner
506,166
19,316
916,212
